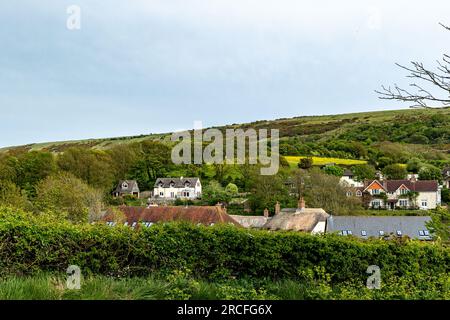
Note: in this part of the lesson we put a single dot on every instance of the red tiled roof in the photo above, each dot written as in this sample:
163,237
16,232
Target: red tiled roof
195,214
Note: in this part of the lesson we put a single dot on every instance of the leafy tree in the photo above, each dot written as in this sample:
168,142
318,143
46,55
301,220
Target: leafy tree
214,193
123,157
414,165
429,172
154,161
305,163
32,167
11,195
445,195
266,191
70,197
232,189
363,172
395,172
334,171
324,191
93,166
439,225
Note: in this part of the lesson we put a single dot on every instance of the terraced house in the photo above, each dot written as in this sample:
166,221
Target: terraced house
400,194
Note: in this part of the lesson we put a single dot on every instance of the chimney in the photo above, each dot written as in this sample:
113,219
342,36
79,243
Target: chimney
277,208
301,204
266,212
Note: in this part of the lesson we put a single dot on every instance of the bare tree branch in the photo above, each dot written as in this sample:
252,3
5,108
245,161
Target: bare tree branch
439,79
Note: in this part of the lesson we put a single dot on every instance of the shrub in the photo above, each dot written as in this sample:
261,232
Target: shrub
33,244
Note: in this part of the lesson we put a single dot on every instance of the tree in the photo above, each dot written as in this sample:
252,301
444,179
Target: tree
154,161
363,172
325,191
266,191
11,195
414,165
439,225
92,166
305,163
69,197
232,189
32,167
214,193
334,171
395,172
429,172
438,81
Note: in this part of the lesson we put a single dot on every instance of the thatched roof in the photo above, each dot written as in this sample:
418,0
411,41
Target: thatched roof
251,221
298,220
195,214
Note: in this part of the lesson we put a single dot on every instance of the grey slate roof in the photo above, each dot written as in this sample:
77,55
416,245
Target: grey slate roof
132,186
178,182
408,225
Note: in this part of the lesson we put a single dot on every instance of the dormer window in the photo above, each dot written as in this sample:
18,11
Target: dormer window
358,193
172,184
187,185
124,185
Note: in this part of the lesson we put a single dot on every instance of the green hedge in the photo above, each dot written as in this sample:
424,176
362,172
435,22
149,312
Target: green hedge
30,245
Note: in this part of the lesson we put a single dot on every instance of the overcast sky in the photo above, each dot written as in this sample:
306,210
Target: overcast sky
138,67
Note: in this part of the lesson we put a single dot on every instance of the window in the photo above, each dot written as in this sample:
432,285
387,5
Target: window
364,233
403,191
381,233
358,193
349,232
344,232
124,185
376,203
403,203
349,193
172,194
421,233
426,232
424,203
399,233
375,191
161,193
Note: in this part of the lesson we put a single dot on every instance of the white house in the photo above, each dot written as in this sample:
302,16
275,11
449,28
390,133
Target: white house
348,180
392,194
177,188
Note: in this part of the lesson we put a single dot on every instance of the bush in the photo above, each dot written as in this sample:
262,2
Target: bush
33,244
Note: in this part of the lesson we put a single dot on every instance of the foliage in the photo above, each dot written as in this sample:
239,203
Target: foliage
430,172
214,193
334,171
324,191
395,172
31,245
11,195
305,163
440,224
69,195
363,172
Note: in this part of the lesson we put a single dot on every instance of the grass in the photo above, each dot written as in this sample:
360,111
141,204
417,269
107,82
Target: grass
182,287
320,161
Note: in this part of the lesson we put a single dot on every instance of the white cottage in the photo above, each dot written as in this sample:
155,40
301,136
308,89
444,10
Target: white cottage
175,188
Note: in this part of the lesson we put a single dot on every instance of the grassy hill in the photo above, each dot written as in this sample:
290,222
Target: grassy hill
415,131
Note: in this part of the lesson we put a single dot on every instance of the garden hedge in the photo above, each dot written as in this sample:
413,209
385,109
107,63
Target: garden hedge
30,245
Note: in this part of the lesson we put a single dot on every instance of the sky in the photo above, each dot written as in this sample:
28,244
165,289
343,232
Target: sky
147,66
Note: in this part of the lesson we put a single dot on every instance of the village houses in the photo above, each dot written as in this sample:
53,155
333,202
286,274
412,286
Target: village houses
177,188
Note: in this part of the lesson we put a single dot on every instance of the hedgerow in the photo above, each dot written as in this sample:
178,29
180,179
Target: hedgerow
33,244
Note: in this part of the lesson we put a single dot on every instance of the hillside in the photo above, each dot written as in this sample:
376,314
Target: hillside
423,131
